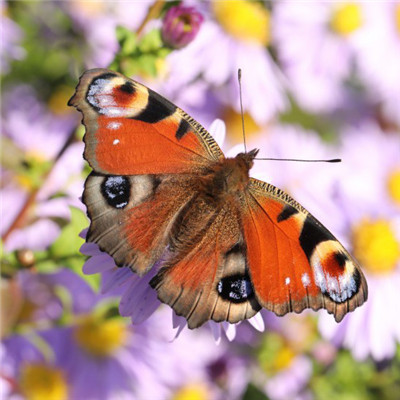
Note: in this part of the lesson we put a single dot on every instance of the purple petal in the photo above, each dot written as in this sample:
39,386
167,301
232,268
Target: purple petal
139,300
38,236
117,278
96,264
89,249
229,329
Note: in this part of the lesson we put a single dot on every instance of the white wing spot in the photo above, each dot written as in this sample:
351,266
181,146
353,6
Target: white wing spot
116,141
305,279
287,281
113,125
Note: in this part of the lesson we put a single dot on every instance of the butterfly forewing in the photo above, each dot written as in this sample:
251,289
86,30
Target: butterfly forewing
294,261
132,130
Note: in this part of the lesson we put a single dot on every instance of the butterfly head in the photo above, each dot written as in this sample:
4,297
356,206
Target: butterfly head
247,159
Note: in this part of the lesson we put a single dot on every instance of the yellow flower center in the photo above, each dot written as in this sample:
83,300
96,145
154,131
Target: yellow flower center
244,20
100,338
346,18
233,122
90,8
59,99
275,354
39,381
283,359
375,245
194,391
30,175
397,17
393,184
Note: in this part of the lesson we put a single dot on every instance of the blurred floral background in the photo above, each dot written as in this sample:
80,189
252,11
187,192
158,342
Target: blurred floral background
320,79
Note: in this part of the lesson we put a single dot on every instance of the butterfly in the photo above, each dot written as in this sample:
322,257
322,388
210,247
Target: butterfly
162,191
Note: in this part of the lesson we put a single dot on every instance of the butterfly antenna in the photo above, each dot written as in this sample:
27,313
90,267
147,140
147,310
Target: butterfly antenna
333,160
241,108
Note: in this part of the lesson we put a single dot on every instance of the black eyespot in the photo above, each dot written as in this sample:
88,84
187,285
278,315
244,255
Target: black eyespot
116,190
236,288
127,87
341,259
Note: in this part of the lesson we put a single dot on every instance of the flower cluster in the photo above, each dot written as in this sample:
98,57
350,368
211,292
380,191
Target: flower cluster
319,80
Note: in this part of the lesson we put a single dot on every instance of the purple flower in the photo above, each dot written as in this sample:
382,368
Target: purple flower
40,230
281,359
222,376
322,55
31,126
40,135
379,65
180,26
28,368
41,299
103,358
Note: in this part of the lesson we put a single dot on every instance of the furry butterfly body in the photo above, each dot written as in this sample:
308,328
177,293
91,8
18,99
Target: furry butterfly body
161,191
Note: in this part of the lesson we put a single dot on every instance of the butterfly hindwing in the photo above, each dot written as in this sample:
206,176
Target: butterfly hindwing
132,130
294,261
131,216
206,275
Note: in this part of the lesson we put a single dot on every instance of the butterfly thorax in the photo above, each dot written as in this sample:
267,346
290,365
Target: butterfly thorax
230,176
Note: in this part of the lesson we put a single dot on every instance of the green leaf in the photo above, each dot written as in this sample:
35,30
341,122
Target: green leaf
321,124
254,393
69,241
151,42
127,40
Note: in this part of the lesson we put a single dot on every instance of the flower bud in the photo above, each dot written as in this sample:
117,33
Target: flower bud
180,26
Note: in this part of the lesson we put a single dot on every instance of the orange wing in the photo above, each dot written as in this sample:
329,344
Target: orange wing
132,130
294,262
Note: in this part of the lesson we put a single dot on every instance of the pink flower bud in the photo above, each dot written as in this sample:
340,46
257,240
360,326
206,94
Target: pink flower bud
180,26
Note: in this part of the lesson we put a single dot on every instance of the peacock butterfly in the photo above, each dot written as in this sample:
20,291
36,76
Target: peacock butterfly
161,189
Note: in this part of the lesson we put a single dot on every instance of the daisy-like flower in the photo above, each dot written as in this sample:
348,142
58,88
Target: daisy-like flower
287,371
29,124
28,370
315,46
104,358
234,35
138,299
39,229
369,195
223,376
38,136
41,301
379,64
